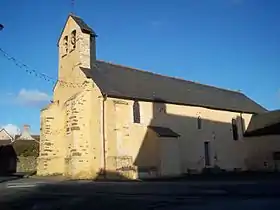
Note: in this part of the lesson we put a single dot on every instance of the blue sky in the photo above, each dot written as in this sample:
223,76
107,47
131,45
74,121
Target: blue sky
233,44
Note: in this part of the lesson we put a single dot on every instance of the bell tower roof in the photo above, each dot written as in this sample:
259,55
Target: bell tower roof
81,23
84,27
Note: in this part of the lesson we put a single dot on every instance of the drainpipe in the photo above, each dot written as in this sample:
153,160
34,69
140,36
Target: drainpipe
103,134
242,124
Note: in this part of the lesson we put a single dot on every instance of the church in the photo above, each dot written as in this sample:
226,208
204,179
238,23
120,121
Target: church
114,121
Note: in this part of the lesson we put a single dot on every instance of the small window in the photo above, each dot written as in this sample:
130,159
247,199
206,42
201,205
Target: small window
136,112
161,107
234,129
73,40
65,45
199,123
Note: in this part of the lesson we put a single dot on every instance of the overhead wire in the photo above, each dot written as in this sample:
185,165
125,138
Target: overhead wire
38,74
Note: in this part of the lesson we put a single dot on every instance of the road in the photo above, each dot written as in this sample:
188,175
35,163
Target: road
37,194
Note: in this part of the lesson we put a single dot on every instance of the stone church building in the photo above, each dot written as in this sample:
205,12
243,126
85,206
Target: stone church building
113,120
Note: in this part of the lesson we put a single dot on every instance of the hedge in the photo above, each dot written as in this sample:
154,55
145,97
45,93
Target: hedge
26,148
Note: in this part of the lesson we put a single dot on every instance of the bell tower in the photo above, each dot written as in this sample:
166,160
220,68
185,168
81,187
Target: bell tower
76,45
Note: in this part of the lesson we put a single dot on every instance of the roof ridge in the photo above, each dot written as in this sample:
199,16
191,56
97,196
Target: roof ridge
74,15
82,24
170,77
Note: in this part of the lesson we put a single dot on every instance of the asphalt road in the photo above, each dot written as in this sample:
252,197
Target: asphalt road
31,194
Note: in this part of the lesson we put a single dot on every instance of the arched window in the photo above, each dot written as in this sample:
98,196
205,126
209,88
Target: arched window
234,129
65,45
73,40
136,112
199,123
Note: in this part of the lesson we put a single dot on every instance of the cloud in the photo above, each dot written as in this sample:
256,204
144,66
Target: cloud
32,97
11,129
27,98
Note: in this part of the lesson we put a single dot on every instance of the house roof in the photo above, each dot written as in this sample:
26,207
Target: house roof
126,82
7,133
264,124
36,137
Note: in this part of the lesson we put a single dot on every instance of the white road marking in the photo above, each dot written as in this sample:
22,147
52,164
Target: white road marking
21,185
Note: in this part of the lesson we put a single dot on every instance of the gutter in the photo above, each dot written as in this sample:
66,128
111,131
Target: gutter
103,135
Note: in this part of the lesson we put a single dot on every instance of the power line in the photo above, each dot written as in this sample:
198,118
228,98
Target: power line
35,73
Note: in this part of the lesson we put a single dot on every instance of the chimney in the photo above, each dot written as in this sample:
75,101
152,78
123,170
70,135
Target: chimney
25,134
26,128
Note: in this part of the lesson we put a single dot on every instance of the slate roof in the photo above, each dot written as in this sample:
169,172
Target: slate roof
125,82
84,27
8,135
164,132
264,124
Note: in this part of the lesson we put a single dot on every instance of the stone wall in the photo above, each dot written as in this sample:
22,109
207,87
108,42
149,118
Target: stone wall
26,164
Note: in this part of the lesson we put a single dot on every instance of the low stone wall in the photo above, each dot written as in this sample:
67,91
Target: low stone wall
26,164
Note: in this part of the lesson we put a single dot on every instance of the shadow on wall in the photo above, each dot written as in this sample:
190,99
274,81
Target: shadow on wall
175,145
8,160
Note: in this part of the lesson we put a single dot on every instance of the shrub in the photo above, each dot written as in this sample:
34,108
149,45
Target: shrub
26,148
